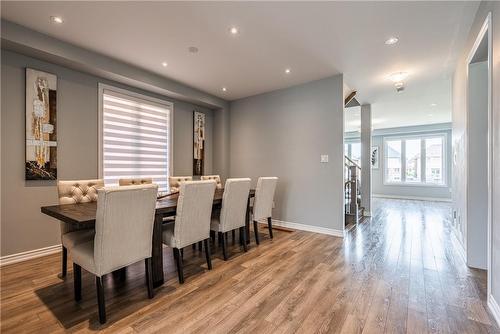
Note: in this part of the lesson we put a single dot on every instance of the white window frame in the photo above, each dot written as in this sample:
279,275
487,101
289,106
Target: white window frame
101,88
423,182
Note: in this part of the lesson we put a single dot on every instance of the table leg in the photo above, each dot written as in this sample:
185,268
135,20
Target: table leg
247,220
157,252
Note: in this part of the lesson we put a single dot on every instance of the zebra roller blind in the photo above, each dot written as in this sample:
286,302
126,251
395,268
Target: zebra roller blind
135,138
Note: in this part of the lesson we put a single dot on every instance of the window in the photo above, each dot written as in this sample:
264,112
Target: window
393,161
416,160
135,137
353,152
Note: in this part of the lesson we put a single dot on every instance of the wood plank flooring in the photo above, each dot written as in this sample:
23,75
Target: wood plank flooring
398,272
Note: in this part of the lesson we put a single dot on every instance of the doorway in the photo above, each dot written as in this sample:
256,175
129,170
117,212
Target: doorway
479,154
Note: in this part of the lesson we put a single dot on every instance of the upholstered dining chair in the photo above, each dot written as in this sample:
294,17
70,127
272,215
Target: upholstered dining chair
134,182
123,235
216,178
192,221
263,204
233,211
174,182
72,192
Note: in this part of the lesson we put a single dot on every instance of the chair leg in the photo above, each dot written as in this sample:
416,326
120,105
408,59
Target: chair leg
224,245
233,232
149,277
77,281
212,236
64,262
194,246
123,274
200,246
178,262
207,253
270,224
100,299
256,231
244,236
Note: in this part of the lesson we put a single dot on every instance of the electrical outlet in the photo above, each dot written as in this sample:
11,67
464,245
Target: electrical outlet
324,158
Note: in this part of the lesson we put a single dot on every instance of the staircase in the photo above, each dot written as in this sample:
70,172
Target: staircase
352,194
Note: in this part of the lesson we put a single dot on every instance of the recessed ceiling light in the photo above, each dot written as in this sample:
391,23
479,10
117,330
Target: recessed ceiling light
233,31
224,89
391,41
433,105
164,64
287,71
430,115
193,49
398,76
56,19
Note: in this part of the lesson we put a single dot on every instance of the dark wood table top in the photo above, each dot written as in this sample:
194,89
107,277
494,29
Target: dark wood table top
85,213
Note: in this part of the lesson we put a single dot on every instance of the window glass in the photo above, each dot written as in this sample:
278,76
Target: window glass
413,160
434,160
393,162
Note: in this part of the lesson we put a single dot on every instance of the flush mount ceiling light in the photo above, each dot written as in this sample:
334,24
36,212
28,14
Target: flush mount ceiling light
56,19
391,41
164,64
287,71
433,105
224,89
234,31
398,76
193,49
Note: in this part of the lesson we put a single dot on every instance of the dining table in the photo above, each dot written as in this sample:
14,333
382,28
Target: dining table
83,215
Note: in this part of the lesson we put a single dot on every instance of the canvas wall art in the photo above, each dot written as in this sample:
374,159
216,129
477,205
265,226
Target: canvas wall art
199,143
374,157
41,124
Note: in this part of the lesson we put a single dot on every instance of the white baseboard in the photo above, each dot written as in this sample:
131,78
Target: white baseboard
494,308
32,254
309,228
416,198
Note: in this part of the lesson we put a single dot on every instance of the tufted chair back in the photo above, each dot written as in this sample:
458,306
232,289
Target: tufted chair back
135,182
174,182
81,191
216,178
264,195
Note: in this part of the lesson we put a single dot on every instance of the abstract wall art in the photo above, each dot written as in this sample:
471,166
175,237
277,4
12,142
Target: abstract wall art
374,157
199,143
41,124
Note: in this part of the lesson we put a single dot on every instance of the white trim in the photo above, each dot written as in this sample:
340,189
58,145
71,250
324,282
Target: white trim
32,254
309,228
166,103
494,308
416,198
485,29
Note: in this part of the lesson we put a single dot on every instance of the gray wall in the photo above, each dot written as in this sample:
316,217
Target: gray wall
283,133
23,227
459,134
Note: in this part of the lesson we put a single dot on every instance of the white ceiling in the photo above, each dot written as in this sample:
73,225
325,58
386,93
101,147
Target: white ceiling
315,40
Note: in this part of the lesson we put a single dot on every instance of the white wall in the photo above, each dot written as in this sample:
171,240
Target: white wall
283,133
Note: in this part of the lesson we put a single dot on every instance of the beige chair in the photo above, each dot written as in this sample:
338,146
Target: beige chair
123,235
233,211
192,221
174,182
263,204
216,178
71,192
134,182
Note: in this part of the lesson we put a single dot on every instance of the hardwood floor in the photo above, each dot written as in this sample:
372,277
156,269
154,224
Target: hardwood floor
398,272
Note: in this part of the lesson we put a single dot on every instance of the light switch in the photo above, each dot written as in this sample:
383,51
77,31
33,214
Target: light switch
324,158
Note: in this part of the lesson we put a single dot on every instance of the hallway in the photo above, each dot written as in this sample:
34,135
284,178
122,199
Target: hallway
398,273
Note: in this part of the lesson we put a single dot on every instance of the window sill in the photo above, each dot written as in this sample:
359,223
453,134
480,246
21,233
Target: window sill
409,184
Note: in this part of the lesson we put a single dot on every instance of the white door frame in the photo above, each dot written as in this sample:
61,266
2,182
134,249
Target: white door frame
485,29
